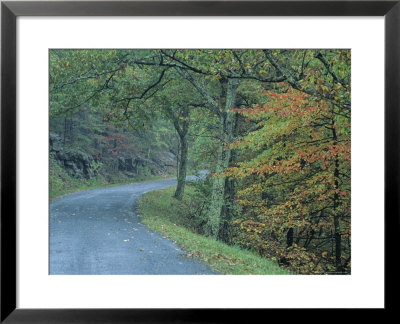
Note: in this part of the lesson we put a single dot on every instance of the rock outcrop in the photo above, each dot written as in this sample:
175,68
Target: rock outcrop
75,162
80,164
163,163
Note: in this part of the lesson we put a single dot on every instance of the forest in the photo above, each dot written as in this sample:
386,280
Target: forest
270,129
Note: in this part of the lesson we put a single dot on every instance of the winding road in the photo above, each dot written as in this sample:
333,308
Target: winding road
99,232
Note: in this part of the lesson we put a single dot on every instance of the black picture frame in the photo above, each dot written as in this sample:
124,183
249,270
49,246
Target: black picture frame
10,10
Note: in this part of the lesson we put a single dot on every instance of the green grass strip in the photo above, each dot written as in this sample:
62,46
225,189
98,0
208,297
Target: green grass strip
165,215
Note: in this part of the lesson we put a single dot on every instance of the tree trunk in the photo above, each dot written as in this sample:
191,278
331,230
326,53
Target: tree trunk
65,130
71,133
289,237
336,223
230,192
178,157
214,212
336,216
182,128
183,153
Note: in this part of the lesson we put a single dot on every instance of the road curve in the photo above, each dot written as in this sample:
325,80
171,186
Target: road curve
99,232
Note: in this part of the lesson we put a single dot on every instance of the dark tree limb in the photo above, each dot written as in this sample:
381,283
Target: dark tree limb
328,67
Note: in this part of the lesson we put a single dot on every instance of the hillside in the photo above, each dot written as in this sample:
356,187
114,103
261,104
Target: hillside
85,152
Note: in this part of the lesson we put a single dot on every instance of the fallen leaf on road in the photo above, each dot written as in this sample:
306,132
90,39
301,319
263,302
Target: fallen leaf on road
194,255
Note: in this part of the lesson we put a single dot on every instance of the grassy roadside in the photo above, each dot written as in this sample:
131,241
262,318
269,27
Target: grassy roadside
164,214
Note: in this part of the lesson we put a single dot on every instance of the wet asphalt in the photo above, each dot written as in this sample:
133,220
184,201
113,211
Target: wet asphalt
99,232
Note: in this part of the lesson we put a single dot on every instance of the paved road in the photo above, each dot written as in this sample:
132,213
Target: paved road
98,232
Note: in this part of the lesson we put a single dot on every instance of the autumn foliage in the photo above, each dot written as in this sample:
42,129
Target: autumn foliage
280,160
295,182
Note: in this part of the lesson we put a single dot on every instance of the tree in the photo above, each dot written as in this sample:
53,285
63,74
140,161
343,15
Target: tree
277,124
175,101
296,171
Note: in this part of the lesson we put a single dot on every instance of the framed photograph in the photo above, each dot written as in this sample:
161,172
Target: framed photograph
164,158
